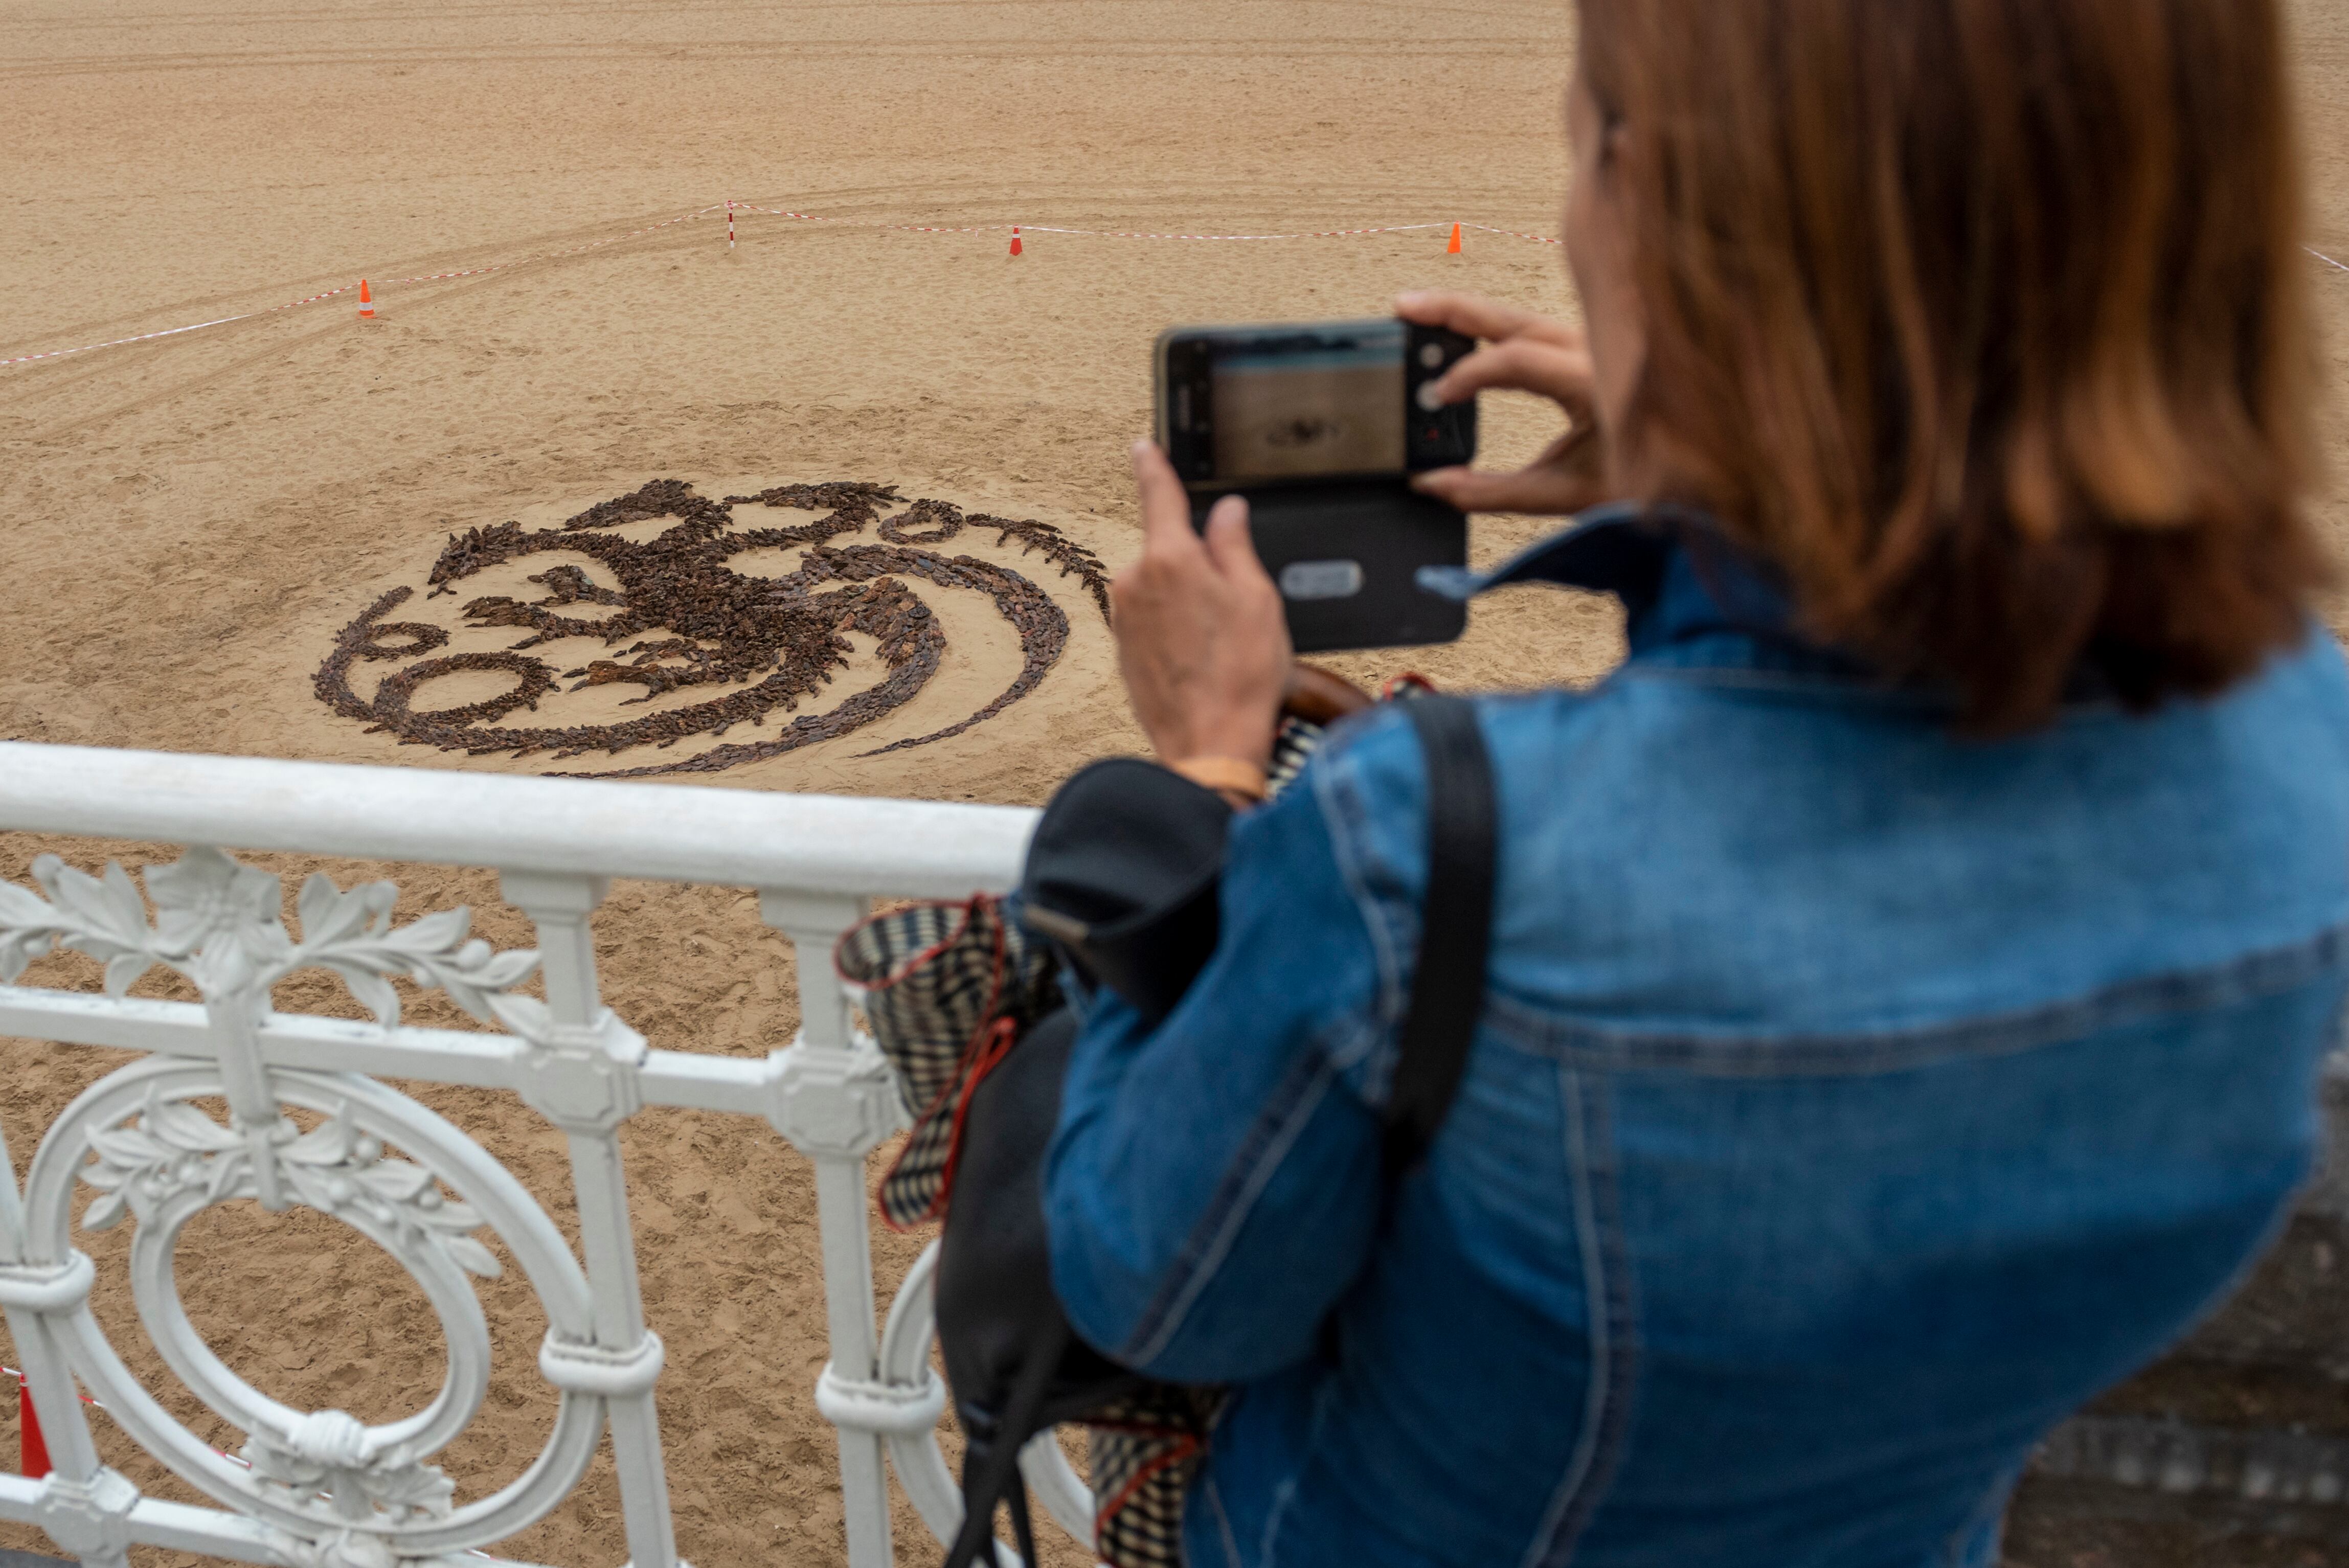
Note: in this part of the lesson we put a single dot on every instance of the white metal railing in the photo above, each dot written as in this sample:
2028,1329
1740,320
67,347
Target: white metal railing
320,1489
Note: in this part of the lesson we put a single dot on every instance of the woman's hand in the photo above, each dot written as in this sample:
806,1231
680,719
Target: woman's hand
1201,639
1523,353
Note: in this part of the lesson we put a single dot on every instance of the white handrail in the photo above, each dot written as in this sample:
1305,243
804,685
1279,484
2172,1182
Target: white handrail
321,1489
659,832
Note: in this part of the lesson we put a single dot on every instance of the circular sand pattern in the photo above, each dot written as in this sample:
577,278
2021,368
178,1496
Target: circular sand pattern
688,619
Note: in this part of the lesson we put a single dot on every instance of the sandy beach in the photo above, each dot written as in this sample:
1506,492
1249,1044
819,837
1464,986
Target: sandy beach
538,191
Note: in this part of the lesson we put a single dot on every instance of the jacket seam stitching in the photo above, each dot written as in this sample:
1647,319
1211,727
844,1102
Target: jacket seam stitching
1953,1553
1607,1305
1223,1522
2247,978
1345,848
1269,1138
1286,1492
1831,687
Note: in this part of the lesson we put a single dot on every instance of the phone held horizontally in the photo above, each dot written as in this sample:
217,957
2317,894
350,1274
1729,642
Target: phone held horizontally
1319,425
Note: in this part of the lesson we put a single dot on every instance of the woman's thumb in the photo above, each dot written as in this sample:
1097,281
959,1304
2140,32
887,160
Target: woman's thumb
1231,544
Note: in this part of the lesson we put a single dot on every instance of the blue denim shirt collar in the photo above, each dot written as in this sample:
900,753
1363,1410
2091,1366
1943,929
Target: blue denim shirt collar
1689,594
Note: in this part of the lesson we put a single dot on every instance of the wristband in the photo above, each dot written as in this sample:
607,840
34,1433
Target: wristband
1230,773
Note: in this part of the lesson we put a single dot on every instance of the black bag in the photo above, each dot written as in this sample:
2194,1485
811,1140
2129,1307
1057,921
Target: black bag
1113,879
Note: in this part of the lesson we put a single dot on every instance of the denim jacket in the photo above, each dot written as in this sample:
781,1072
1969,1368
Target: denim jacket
1852,1101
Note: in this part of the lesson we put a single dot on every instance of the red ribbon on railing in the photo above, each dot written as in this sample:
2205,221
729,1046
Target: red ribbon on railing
35,1453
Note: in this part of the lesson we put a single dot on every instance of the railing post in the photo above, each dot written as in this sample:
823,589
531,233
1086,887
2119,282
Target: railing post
835,1099
85,1507
582,1077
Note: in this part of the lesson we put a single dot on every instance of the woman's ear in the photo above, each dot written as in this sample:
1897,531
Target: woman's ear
1614,141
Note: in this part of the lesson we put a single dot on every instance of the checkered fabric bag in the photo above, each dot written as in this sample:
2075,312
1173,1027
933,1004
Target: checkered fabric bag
1142,1451
1293,746
947,987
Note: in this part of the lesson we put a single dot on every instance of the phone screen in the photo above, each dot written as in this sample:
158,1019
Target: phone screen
1242,405
1296,405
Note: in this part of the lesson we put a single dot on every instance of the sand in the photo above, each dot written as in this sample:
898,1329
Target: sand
191,520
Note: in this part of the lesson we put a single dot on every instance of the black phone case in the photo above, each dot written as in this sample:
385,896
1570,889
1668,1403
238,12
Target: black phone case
1347,556
1441,437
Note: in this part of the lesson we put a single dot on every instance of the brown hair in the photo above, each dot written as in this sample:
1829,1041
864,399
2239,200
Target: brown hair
1983,319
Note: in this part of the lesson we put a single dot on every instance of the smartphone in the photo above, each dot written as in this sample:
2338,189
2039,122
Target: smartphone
1247,405
1319,425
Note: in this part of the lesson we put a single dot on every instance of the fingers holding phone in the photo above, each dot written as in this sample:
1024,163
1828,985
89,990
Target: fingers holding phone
1560,372
1568,477
1522,353
1201,640
1478,315
1319,426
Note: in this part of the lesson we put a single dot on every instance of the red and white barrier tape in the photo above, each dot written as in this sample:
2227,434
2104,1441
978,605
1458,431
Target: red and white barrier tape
568,251
1026,228
175,331
330,294
232,1459
12,1372
730,208
99,1405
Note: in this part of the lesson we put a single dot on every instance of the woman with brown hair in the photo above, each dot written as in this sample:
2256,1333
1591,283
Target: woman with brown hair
1911,969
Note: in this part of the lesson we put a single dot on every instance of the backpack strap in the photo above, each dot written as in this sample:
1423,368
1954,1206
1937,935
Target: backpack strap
1447,995
990,1464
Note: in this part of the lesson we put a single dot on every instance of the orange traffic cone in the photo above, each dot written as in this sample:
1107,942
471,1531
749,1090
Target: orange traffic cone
1453,248
1015,239
367,302
35,1451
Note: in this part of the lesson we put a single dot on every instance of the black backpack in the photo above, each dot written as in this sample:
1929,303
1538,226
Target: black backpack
1122,877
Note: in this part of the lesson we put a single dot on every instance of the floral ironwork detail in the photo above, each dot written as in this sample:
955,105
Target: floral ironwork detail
220,924
355,1549
329,1451
337,1168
